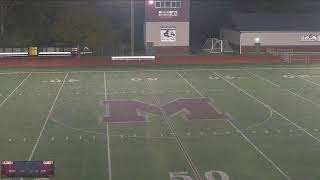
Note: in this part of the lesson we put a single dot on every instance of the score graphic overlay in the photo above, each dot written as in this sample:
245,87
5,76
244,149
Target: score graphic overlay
32,169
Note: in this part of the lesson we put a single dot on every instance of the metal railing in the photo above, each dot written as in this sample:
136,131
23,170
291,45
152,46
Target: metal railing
305,57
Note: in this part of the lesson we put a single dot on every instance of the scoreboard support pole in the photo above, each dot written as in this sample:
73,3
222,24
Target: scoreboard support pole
132,26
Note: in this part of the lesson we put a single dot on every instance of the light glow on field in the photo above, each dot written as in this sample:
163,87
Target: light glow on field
151,2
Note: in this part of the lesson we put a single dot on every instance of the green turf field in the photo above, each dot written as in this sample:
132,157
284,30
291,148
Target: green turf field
269,127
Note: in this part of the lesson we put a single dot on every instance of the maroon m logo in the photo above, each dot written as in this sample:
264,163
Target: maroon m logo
131,111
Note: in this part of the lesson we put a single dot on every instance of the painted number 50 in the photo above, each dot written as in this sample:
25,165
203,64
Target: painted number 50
210,175
181,175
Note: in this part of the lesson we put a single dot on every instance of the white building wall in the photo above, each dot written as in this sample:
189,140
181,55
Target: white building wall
278,38
153,33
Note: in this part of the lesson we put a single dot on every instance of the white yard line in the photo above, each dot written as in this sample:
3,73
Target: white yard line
281,115
177,138
107,129
242,134
165,70
260,77
291,92
312,82
6,99
48,116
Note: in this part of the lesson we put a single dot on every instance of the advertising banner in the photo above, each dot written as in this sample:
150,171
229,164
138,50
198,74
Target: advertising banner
168,34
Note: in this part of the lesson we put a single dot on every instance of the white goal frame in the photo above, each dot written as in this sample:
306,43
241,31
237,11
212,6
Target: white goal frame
214,45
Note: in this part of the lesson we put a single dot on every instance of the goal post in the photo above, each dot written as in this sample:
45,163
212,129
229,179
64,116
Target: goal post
214,45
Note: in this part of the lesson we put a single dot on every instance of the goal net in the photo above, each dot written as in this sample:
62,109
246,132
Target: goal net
214,45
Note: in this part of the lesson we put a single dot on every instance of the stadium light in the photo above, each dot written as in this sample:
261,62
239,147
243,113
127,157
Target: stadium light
257,40
257,45
151,2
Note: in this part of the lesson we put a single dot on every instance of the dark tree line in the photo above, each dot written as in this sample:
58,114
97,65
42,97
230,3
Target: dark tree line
104,24
31,24
269,5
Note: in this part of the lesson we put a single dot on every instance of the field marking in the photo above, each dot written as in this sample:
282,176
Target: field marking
48,116
293,123
242,134
179,142
291,92
105,85
260,77
312,82
6,99
107,129
153,70
154,137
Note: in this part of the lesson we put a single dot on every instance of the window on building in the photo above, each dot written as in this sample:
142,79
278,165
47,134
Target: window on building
158,4
168,4
178,4
162,4
173,4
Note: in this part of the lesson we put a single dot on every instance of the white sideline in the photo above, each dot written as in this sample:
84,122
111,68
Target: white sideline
245,92
151,70
293,93
107,129
48,116
242,134
6,99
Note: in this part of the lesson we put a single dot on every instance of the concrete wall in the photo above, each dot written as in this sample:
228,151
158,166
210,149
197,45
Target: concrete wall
277,38
153,33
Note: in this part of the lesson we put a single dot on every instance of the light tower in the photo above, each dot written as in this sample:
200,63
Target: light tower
167,26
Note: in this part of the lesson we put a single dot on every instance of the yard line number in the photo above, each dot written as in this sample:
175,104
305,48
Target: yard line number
59,81
299,76
228,77
284,76
141,79
210,175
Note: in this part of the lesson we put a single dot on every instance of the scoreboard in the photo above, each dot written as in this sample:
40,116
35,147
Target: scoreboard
30,169
166,27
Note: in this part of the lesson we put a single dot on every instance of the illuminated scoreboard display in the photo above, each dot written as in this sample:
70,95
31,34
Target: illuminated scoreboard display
32,169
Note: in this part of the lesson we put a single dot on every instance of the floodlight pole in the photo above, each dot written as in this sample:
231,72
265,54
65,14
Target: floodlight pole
132,27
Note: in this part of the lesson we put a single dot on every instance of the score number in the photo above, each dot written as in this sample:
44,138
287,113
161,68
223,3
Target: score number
28,169
210,175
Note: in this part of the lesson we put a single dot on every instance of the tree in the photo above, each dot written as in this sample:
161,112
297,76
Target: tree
82,25
4,7
269,5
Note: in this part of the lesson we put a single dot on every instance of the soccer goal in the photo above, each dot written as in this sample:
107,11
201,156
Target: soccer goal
214,45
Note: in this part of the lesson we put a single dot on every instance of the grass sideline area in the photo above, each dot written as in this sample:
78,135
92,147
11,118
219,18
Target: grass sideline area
249,122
